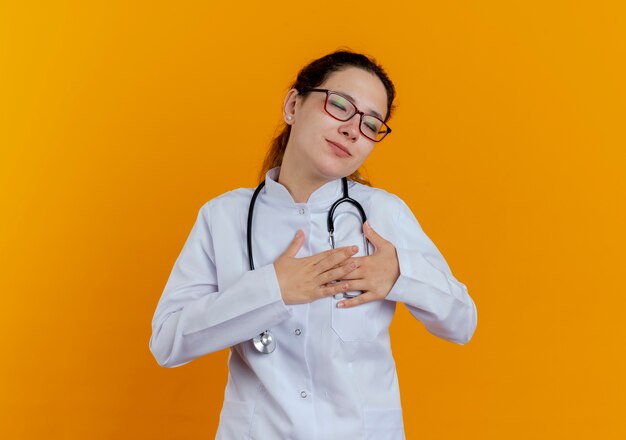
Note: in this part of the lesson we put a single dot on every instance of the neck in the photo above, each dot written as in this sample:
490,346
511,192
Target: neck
299,185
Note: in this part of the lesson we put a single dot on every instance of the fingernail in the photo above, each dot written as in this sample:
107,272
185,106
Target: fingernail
340,305
354,248
298,233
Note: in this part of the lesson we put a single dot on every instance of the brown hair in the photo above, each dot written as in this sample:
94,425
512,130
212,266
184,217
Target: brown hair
311,76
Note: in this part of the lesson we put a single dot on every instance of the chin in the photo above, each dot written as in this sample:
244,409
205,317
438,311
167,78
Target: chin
332,169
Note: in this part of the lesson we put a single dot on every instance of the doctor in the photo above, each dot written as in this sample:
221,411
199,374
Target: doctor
330,373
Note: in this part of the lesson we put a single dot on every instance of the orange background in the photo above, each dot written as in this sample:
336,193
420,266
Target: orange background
119,120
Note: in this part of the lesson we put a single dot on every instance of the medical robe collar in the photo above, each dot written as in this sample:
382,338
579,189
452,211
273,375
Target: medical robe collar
320,200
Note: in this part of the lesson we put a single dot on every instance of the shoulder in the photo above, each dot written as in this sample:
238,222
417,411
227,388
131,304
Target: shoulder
227,203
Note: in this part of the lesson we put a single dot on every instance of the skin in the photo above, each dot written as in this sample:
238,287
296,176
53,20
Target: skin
310,162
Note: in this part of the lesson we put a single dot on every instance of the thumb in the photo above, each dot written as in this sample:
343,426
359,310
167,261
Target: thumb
372,235
295,244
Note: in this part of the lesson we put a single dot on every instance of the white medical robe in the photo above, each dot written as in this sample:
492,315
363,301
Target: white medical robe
332,375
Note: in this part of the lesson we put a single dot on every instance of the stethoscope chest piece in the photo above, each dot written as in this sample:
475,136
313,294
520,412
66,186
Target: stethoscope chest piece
264,343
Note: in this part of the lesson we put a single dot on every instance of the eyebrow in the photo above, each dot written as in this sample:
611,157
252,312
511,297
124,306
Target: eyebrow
372,112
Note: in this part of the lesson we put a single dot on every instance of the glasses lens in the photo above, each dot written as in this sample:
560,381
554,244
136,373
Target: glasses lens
342,109
339,107
373,128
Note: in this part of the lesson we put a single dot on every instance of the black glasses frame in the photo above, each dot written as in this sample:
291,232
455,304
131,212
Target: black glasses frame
356,111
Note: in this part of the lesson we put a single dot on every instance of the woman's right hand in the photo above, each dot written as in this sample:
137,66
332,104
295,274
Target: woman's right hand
302,280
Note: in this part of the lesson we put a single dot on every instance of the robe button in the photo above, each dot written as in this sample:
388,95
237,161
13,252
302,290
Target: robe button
298,332
303,394
301,211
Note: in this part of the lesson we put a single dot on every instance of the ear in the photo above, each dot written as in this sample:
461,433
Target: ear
289,106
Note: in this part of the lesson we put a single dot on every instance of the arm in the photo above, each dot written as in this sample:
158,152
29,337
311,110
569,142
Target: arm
426,284
194,317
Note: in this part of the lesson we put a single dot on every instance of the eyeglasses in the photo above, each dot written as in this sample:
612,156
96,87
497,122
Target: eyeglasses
342,109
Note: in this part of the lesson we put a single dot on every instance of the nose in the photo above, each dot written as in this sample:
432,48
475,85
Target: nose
350,128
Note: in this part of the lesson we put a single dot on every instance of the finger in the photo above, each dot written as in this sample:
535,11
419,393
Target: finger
347,261
352,284
295,244
358,300
314,259
362,264
362,260
317,258
355,274
332,289
335,258
336,273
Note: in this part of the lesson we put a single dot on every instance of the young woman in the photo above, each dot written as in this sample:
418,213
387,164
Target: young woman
303,299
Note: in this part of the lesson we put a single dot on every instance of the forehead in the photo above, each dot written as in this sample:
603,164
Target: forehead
363,88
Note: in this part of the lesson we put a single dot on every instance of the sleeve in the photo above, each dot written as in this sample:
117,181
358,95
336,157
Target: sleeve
194,317
426,285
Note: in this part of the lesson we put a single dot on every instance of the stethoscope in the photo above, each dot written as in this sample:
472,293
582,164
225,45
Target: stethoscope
265,342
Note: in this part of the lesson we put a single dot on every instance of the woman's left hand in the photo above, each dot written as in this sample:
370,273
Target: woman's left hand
375,274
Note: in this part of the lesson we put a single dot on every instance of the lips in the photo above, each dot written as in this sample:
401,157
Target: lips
341,147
